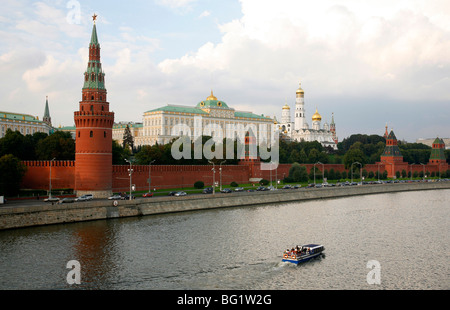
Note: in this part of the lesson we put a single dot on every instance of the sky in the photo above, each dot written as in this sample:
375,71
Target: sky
372,63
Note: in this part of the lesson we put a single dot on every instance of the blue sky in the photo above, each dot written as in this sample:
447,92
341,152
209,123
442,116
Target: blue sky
370,62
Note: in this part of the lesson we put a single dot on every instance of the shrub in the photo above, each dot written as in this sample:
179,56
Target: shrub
199,184
263,182
234,184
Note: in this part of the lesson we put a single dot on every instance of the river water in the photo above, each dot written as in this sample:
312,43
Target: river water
241,248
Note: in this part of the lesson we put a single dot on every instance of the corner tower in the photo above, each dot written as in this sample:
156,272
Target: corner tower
94,122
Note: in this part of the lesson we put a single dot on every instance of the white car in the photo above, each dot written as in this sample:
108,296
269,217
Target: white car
85,197
180,194
115,197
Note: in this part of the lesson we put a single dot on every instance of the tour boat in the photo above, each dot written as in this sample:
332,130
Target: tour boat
303,253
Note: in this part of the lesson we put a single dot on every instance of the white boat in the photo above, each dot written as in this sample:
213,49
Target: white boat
303,253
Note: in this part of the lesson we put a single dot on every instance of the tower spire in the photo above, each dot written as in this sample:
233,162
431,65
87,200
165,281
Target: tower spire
47,119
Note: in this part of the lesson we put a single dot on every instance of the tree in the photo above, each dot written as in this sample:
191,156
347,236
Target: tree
119,154
404,174
128,139
59,145
354,155
12,172
298,173
332,174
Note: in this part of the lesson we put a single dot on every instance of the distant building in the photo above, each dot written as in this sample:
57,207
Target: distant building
299,130
430,142
24,123
135,128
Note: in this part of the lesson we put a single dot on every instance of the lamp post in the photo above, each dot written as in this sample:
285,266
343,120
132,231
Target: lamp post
50,179
423,166
315,171
130,174
149,177
378,164
411,171
220,173
360,172
214,176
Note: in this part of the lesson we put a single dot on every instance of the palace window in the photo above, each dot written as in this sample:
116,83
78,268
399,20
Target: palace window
91,134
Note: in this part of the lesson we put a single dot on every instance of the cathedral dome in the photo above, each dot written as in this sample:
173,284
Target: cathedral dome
317,116
286,107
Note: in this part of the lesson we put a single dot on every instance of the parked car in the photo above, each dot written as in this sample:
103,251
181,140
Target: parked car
127,197
115,197
172,193
67,200
262,188
148,195
85,197
239,189
52,200
226,191
208,190
178,194
286,187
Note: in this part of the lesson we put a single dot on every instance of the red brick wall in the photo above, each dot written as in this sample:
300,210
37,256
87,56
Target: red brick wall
63,174
38,173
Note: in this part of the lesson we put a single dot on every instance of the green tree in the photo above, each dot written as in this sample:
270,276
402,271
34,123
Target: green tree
298,173
128,140
354,155
12,172
59,145
119,154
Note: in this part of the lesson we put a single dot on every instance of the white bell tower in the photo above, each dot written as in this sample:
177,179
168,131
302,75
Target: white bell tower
300,108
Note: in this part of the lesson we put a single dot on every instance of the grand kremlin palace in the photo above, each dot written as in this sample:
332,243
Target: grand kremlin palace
158,124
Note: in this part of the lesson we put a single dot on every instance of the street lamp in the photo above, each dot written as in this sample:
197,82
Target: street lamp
378,164
50,179
149,179
423,165
220,173
315,171
131,173
411,171
360,170
214,176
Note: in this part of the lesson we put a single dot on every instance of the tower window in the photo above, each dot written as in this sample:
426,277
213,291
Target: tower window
92,97
91,134
78,134
104,134
92,108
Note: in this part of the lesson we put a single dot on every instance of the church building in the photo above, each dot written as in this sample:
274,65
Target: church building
299,130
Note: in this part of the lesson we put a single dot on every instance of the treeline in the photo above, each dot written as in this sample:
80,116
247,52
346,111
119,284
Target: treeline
39,146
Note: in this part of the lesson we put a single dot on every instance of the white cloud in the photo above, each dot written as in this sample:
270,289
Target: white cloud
205,14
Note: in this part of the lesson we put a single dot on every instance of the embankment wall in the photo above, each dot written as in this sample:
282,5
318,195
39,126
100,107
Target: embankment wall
26,216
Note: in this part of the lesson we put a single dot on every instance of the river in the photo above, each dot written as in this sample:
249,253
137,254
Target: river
241,248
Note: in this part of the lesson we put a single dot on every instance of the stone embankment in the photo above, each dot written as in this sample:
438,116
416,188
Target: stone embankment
18,216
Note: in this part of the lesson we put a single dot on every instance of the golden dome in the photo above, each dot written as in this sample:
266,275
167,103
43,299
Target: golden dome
286,107
211,97
300,90
316,116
